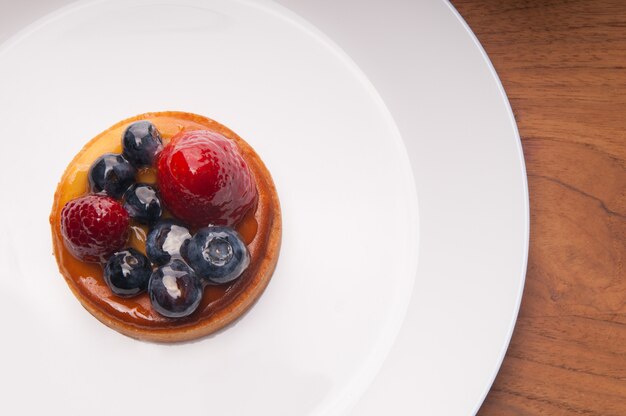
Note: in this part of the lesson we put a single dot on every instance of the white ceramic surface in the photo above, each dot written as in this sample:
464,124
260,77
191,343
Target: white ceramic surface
469,175
348,260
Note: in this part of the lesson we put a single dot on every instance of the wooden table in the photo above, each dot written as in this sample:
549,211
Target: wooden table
563,66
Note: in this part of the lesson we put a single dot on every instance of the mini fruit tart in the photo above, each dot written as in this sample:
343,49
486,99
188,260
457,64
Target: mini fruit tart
166,226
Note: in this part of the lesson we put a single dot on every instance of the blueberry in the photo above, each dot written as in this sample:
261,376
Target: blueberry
164,241
142,203
127,272
112,174
141,143
175,290
217,254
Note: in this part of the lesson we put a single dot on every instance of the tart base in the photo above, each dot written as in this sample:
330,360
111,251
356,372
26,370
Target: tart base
264,247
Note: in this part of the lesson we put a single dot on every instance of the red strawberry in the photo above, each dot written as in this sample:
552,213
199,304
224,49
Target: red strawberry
94,227
204,179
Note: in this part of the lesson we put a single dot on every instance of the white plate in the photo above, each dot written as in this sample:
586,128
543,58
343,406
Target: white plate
469,170
469,175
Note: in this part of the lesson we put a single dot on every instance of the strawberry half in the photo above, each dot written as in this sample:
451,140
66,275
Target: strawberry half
94,227
204,180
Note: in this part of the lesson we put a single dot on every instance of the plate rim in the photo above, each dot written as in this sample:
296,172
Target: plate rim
526,220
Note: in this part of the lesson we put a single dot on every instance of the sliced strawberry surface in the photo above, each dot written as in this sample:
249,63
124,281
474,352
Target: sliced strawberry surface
204,180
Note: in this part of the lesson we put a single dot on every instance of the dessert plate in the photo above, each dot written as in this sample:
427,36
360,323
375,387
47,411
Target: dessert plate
347,325
348,259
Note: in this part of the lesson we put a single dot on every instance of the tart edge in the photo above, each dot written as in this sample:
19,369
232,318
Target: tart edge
244,300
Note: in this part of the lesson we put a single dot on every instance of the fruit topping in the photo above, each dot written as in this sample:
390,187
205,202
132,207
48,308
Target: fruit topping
142,203
141,143
112,174
217,254
204,180
127,272
94,227
164,241
174,290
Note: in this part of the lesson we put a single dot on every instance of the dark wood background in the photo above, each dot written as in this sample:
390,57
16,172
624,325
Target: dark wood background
563,66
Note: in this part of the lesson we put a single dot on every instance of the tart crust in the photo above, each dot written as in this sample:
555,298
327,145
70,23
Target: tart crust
133,317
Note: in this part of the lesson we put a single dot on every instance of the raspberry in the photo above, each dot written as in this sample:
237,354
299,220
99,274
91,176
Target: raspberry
204,179
94,227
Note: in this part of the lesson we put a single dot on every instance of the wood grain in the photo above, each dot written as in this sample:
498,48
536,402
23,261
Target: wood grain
563,66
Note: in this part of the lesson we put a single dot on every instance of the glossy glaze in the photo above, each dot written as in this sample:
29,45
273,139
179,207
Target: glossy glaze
203,179
87,278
